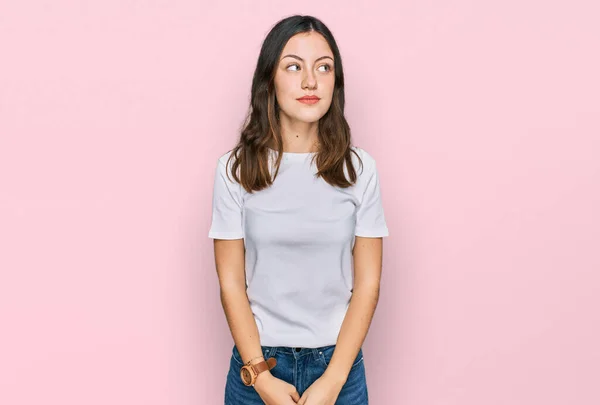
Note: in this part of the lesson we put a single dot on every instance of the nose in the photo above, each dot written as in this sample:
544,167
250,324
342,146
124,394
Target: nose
309,80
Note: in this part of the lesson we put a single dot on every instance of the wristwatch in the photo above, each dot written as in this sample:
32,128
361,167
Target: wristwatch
249,372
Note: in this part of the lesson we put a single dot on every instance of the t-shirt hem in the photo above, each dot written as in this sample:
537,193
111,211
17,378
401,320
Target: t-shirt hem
372,233
309,345
225,235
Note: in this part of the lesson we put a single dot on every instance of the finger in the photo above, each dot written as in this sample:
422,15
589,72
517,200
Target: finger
295,396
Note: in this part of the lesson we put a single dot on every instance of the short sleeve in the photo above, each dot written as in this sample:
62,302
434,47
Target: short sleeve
227,206
370,218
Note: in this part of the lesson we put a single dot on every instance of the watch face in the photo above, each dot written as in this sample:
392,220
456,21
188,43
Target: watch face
246,376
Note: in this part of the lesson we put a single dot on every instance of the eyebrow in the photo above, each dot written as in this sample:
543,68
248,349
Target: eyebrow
299,58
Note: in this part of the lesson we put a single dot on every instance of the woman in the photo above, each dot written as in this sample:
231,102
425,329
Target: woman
297,223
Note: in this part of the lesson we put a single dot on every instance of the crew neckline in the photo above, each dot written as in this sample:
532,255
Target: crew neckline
294,155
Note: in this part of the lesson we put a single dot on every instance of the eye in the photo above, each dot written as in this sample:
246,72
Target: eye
298,66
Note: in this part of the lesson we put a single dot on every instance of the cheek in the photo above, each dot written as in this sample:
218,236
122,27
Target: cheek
286,86
329,84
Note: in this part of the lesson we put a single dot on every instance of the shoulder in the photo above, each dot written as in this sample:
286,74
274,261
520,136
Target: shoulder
224,158
224,168
224,162
366,165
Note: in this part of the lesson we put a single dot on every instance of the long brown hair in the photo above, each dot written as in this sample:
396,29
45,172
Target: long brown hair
262,127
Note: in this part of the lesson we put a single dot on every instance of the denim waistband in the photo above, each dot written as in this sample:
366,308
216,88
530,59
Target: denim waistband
295,351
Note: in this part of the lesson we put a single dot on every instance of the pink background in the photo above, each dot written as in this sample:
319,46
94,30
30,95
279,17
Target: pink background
484,120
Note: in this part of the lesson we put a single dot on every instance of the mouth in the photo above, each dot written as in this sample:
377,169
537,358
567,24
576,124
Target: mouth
309,99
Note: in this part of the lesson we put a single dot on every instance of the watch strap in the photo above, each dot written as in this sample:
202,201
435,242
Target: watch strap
256,369
265,365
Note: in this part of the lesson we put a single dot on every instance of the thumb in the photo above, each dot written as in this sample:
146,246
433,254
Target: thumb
303,399
295,396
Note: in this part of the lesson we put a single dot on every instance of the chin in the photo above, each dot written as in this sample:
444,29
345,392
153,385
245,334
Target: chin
314,116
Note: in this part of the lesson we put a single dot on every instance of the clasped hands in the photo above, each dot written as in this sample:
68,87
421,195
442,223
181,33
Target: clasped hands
274,391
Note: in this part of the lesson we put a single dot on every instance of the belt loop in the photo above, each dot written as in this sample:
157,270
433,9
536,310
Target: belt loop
315,353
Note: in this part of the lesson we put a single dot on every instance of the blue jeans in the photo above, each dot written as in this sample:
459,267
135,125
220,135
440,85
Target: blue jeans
299,367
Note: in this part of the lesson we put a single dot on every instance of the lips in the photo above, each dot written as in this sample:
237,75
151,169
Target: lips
309,99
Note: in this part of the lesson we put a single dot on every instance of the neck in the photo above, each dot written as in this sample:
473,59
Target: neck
299,136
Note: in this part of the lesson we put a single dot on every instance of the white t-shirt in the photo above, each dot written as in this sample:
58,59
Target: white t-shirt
299,234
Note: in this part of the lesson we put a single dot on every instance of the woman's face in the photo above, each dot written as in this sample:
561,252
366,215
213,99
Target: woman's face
305,68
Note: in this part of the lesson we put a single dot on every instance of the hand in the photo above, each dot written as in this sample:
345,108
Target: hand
274,391
324,391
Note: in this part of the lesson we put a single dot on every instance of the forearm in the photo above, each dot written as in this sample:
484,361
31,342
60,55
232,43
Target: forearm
241,323
353,331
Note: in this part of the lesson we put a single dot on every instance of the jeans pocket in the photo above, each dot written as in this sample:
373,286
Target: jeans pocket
236,356
326,354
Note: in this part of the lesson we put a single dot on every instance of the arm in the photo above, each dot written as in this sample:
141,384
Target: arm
229,261
367,254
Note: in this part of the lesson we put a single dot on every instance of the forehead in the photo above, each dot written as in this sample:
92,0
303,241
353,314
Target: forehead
307,45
